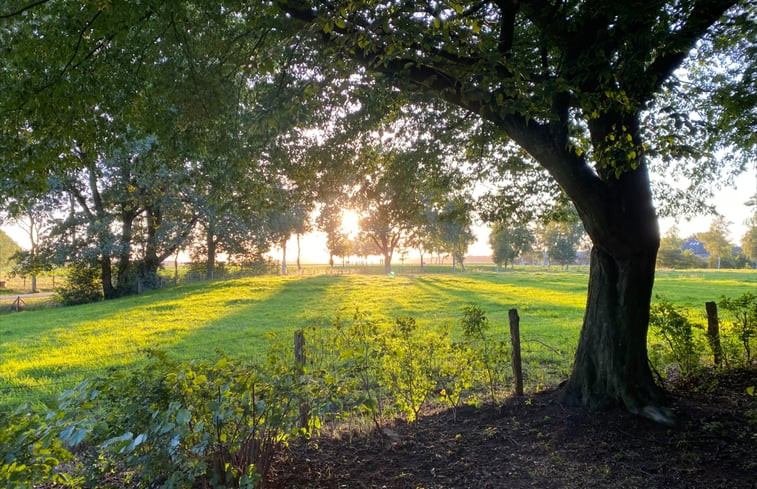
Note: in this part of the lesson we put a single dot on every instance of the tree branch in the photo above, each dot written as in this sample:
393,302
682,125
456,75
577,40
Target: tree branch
509,9
23,9
703,15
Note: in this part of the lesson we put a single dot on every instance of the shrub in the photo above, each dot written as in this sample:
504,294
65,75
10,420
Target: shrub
31,452
676,330
182,424
489,354
744,325
409,365
83,285
358,348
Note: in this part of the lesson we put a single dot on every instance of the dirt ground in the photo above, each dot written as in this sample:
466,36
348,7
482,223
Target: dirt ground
536,442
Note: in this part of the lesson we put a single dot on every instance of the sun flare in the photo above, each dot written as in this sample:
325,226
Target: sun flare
350,223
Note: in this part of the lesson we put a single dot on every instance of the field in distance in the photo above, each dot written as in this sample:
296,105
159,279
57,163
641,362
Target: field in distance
45,352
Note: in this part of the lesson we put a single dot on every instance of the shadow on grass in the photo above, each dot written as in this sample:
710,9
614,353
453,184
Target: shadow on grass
42,355
244,330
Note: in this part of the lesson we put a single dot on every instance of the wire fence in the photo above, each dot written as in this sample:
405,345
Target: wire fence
544,364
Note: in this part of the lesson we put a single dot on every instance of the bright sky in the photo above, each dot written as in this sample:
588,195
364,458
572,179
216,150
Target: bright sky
728,201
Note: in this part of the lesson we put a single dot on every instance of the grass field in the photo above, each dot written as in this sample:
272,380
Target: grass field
45,352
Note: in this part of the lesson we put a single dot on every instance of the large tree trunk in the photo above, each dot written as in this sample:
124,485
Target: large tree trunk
125,279
611,366
106,275
387,262
151,263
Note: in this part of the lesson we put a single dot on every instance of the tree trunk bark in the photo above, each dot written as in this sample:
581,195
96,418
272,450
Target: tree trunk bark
611,367
284,256
106,275
299,266
211,245
124,280
151,263
387,262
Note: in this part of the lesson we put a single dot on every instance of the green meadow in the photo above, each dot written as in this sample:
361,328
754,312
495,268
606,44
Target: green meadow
45,352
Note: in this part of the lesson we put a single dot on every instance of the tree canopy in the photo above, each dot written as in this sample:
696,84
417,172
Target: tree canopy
8,248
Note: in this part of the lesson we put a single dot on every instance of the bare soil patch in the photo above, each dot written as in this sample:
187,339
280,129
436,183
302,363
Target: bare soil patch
536,441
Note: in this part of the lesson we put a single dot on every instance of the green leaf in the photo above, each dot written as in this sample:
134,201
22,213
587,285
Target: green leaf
183,417
750,390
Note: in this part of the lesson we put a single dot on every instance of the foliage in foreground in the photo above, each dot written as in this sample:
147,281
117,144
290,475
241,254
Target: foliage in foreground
165,425
171,424
681,340
178,424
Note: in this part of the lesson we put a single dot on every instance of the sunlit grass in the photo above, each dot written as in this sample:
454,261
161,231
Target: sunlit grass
44,352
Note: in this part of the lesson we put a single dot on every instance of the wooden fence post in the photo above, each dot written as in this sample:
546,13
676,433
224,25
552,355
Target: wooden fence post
299,369
515,340
713,332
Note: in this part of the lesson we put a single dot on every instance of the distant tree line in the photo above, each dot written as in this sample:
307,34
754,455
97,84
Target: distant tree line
709,249
558,241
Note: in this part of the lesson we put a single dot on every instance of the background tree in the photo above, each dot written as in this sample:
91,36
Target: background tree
672,255
363,247
8,248
32,213
284,220
454,227
390,198
749,242
717,244
508,242
561,240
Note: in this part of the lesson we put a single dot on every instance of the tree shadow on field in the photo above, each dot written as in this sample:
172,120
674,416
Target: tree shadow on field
48,354
247,329
550,320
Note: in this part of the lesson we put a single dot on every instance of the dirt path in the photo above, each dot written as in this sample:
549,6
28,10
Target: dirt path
13,297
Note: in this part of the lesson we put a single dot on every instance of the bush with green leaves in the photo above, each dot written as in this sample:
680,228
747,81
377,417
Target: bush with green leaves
743,309
182,424
359,349
411,364
491,355
364,366
455,375
31,452
83,285
675,329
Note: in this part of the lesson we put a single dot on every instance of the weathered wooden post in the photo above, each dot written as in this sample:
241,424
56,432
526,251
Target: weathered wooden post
515,340
713,332
299,369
